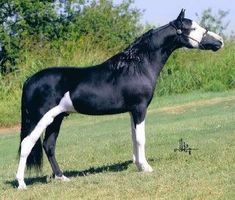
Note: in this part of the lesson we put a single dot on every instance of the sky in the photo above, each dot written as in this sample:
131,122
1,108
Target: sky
160,12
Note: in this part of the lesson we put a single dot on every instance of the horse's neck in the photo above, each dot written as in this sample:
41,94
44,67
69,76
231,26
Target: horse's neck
163,49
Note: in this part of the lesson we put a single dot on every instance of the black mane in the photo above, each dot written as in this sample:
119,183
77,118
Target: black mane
134,53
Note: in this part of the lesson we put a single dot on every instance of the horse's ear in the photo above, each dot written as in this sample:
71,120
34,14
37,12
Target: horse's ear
181,15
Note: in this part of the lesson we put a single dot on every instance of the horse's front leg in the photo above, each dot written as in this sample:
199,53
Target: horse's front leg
133,136
138,139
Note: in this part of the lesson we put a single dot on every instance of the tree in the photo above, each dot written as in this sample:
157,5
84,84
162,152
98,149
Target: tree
108,25
215,23
20,19
101,22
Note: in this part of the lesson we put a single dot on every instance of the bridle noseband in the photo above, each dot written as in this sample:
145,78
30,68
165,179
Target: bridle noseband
180,33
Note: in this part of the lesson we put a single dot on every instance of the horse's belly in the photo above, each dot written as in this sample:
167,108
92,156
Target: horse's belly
93,103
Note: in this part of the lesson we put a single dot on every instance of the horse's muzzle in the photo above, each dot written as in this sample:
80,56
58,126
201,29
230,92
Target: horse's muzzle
209,42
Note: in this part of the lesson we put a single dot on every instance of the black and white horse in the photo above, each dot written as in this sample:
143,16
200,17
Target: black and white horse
124,83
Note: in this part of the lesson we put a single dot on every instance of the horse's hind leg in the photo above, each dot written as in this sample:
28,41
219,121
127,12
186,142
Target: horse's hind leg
49,144
27,144
24,153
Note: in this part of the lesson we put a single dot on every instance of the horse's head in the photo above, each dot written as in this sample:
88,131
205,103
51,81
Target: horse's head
192,35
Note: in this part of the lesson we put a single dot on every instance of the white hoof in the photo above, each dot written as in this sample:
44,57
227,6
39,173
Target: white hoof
22,186
62,178
144,167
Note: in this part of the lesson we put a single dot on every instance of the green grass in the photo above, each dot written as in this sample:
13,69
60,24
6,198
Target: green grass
95,152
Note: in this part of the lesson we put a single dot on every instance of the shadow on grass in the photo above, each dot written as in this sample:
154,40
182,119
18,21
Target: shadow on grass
117,167
28,181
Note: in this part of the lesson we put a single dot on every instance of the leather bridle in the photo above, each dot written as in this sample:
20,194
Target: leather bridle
180,33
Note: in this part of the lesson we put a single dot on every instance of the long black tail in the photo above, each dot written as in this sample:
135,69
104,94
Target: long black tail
34,159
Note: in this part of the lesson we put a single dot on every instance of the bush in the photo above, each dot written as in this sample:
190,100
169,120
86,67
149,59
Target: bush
188,70
214,86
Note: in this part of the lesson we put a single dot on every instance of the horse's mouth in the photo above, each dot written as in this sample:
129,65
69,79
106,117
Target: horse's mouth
215,46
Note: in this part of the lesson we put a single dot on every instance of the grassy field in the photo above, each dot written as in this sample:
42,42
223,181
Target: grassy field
95,153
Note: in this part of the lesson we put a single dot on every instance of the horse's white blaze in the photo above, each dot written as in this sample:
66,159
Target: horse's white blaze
196,34
27,144
138,138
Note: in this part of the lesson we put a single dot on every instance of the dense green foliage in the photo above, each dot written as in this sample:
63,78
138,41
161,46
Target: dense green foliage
96,152
24,23
189,70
